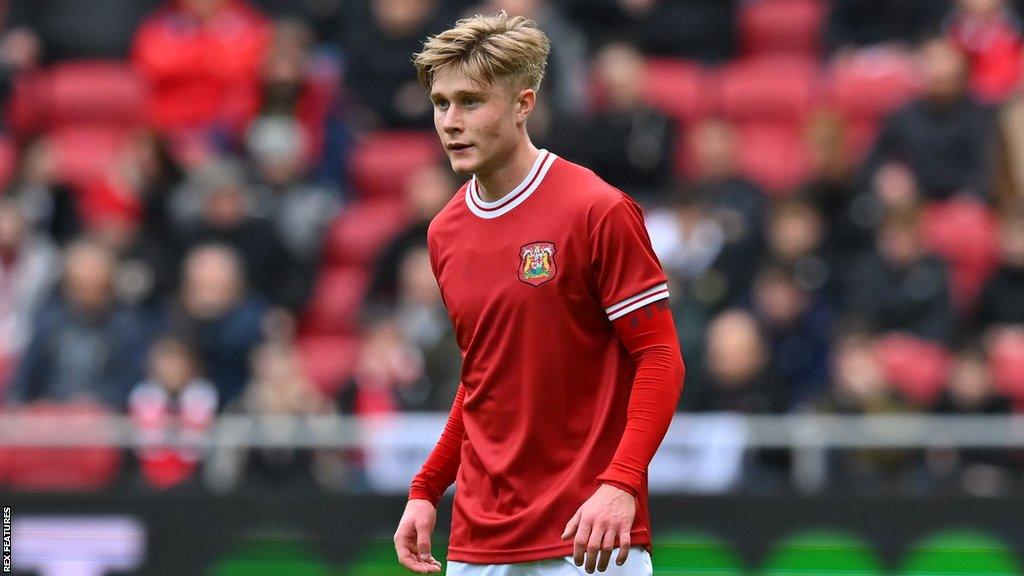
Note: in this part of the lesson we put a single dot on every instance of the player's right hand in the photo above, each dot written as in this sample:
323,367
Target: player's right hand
412,539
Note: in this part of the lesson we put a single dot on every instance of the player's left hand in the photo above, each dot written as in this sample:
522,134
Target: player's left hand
607,515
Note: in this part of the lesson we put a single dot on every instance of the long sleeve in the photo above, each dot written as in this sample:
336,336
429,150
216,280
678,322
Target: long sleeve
649,335
438,472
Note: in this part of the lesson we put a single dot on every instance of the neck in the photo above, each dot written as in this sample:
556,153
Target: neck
495,184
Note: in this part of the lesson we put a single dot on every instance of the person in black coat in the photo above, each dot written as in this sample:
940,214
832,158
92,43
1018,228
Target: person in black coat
900,286
945,138
1002,298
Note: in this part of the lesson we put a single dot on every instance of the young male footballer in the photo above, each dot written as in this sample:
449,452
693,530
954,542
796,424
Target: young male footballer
571,365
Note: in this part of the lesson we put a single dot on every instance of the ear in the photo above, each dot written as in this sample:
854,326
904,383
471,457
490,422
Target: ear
525,102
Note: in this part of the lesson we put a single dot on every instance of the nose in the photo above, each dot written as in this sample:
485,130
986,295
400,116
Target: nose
451,121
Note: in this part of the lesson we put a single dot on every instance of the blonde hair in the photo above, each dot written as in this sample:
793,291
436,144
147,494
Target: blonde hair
486,48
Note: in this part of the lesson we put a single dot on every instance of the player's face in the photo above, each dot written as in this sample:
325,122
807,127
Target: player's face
477,123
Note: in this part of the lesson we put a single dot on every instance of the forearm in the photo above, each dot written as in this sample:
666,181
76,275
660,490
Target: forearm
650,337
438,472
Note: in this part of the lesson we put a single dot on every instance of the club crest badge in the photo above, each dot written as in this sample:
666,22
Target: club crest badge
537,263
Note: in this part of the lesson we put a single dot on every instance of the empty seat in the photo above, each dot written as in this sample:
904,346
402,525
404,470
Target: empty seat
1006,355
770,88
679,88
774,156
328,360
50,468
965,233
362,229
917,368
89,92
336,302
381,162
95,91
870,84
794,26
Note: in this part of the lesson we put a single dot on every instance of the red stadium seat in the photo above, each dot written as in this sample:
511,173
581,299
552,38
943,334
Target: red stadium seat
916,367
680,89
90,92
328,360
361,230
337,299
95,92
85,153
965,233
381,162
28,105
793,26
1006,355
61,469
8,161
870,84
770,88
774,156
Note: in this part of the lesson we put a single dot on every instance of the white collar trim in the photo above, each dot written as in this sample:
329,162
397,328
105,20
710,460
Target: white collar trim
517,196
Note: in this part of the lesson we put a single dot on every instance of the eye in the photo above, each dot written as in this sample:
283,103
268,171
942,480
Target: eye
441,104
470,101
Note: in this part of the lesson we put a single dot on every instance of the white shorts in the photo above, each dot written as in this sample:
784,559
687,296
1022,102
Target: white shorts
638,563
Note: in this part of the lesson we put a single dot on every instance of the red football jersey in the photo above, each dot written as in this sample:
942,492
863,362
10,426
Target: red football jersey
531,283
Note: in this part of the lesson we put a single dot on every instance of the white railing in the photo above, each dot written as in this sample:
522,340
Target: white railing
700,452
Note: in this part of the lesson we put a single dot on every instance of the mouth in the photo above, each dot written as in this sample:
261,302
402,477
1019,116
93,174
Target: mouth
458,146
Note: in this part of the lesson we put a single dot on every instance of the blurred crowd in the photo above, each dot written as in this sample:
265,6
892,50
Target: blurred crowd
220,206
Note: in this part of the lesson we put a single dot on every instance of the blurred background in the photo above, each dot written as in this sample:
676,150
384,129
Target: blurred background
222,349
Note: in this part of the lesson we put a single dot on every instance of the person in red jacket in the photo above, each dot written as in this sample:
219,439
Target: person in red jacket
201,60
571,364
989,33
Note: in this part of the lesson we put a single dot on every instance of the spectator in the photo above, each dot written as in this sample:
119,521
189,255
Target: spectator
389,375
154,175
47,201
288,89
59,30
631,144
421,315
855,23
797,323
174,403
901,286
28,263
1002,298
278,389
832,189
19,53
738,367
688,28
217,313
201,59
427,191
686,237
737,203
299,210
989,33
226,216
944,137
689,242
379,39
795,233
860,388
408,359
84,344
970,391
